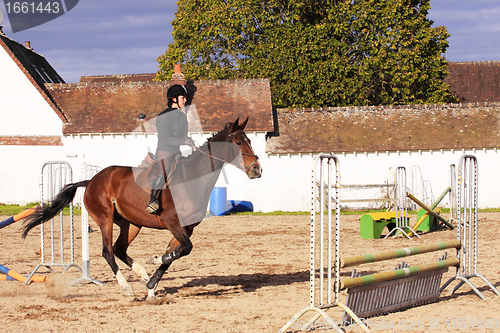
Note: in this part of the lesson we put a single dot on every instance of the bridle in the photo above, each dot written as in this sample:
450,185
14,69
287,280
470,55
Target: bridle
209,154
246,154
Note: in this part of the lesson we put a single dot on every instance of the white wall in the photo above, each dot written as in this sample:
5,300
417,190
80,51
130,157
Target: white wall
20,170
286,181
23,110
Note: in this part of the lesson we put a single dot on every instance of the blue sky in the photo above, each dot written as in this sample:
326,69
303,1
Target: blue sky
125,37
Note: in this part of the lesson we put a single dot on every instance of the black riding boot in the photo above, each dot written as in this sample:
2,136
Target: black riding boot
154,203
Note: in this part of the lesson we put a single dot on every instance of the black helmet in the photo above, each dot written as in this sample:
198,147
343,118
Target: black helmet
176,90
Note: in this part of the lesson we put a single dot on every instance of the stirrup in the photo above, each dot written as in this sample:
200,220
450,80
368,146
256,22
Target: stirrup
153,207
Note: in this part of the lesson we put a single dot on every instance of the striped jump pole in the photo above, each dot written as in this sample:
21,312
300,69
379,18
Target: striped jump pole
402,287
405,286
9,275
400,253
17,217
467,226
396,274
387,292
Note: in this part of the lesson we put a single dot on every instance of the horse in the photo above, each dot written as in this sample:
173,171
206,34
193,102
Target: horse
113,196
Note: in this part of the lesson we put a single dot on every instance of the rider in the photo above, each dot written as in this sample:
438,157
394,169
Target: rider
172,127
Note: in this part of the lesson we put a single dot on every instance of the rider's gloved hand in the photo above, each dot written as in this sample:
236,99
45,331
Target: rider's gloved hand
189,142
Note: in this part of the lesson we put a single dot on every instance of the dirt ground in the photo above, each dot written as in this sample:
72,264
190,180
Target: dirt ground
245,274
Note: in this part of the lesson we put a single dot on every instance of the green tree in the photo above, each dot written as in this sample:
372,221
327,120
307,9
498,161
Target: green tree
315,52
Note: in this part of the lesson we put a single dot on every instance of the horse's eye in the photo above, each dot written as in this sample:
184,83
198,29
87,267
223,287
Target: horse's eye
239,143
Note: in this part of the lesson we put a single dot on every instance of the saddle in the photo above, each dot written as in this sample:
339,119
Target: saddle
147,171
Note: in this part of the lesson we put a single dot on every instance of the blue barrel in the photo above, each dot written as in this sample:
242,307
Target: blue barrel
218,201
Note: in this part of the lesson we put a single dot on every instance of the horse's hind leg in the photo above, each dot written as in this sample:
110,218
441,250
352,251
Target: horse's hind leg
108,254
128,232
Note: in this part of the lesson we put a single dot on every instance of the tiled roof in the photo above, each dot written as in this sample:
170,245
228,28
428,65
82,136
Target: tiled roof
475,81
111,104
35,67
118,79
386,128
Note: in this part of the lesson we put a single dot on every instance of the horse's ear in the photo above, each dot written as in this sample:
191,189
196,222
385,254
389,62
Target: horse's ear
234,126
242,126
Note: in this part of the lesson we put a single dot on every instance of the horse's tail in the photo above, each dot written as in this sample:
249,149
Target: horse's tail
62,199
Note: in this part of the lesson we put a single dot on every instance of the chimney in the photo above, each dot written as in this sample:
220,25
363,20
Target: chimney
27,44
178,77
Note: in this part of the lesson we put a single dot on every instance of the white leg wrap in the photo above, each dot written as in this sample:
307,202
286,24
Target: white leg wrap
141,271
151,294
127,289
121,279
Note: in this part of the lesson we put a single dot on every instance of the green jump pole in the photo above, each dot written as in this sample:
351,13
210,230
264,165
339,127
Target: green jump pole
404,252
396,274
434,205
430,211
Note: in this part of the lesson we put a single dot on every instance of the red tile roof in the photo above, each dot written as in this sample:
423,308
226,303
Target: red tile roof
111,104
475,81
386,128
118,79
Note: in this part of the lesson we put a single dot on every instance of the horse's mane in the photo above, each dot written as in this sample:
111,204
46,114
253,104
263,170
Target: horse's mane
204,146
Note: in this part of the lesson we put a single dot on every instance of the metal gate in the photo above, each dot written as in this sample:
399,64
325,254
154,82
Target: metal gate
57,243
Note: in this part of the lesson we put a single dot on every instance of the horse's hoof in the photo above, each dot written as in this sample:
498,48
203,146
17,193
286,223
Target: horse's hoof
151,296
128,291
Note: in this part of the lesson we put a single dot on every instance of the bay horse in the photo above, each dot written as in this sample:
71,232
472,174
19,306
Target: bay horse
113,196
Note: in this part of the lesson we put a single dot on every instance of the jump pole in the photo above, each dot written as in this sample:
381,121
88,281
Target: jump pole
396,274
430,211
434,205
10,275
7,273
400,253
18,217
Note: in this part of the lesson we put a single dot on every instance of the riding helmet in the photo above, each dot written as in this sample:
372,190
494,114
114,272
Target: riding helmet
176,90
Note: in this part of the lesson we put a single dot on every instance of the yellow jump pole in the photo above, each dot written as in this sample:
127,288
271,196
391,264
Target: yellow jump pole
430,211
434,205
